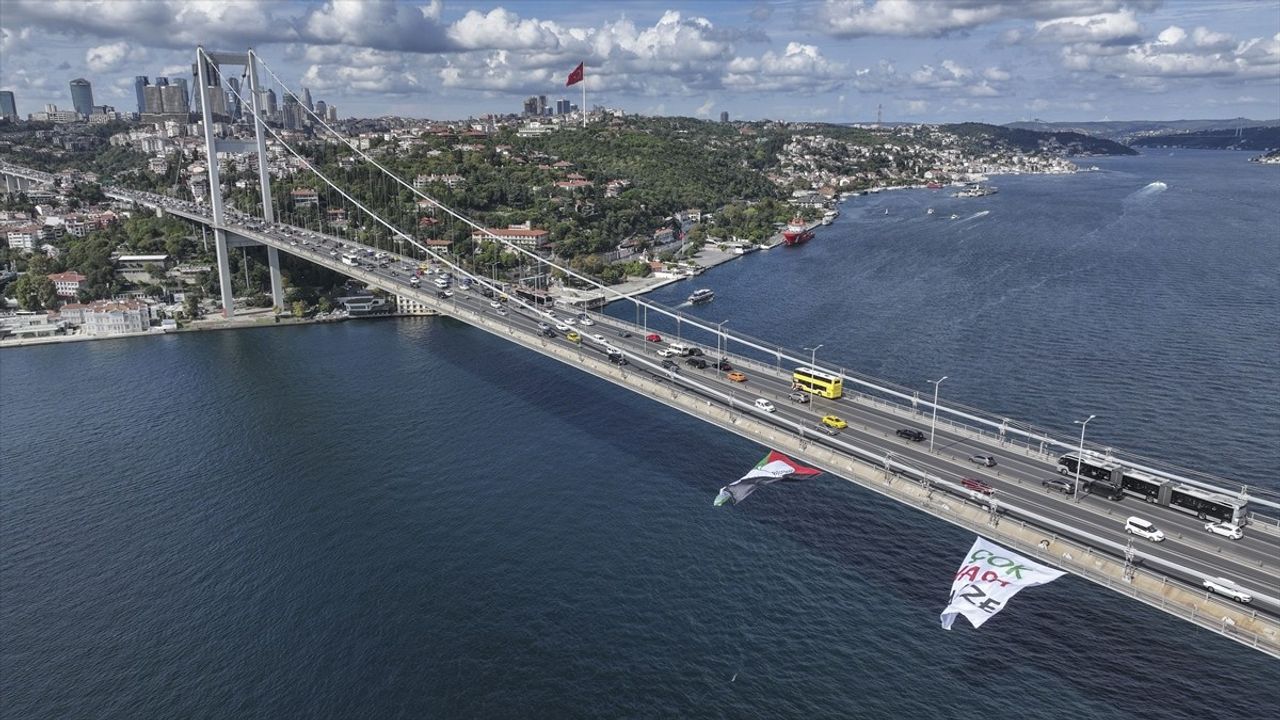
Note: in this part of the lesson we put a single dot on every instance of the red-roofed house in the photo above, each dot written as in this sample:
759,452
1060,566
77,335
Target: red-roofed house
530,238
68,284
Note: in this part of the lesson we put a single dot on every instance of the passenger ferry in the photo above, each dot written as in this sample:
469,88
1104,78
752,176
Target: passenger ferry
701,296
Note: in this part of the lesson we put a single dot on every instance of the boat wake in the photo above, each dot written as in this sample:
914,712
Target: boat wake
975,216
1153,188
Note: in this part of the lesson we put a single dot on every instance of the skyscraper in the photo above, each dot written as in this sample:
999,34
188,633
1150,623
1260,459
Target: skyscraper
153,99
292,113
332,114
186,96
542,105
8,108
82,96
272,106
233,97
140,82
724,116
321,108
174,100
306,98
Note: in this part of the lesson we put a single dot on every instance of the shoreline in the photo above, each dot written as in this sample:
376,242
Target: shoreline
239,322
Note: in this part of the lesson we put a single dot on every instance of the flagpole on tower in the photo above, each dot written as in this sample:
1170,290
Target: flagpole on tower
584,100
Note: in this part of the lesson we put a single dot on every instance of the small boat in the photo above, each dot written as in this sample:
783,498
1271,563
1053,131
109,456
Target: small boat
934,185
886,211
955,216
829,216
930,212
701,296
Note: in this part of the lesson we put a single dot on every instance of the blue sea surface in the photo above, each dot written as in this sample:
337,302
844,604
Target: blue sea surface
412,518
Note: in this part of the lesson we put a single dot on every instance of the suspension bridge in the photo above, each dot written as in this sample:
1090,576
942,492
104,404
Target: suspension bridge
1077,531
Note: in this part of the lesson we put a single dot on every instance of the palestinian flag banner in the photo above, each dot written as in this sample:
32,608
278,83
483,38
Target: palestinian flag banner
774,467
988,578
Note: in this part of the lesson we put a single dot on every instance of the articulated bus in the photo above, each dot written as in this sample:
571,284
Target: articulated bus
1115,480
348,259
1100,475
817,382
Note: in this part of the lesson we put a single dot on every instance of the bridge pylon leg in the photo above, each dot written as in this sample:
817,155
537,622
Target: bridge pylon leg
277,283
224,272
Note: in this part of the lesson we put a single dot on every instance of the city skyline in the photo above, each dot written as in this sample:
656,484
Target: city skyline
831,60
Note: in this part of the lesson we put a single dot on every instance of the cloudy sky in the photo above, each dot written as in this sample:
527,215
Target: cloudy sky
831,60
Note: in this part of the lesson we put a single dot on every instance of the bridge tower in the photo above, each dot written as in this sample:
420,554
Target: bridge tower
209,75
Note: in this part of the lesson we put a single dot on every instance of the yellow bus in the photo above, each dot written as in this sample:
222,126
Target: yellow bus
817,382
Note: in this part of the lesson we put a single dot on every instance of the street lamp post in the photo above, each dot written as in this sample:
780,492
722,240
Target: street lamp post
1080,456
813,365
933,424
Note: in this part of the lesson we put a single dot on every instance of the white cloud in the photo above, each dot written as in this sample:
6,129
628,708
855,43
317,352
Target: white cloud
800,68
1115,27
377,24
1175,53
107,58
704,110
936,18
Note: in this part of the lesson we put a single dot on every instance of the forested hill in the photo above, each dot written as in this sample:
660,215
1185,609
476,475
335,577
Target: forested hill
1255,138
1059,142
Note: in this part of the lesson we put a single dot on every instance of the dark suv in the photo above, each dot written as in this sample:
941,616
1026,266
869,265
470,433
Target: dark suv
696,362
671,365
911,434
723,364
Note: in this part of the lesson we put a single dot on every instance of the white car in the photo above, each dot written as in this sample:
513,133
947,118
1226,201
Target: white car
570,321
1226,588
586,320
663,352
1142,528
562,327
495,304
1226,530
765,405
599,338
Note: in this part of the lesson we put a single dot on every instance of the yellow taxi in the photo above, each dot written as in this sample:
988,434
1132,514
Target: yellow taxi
833,421
573,336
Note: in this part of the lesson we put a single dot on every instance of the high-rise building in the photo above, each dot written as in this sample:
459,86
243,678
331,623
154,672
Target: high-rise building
186,96
153,99
542,105
233,98
306,99
724,116
562,107
272,106
175,100
82,96
321,109
531,105
8,108
140,82
331,114
292,113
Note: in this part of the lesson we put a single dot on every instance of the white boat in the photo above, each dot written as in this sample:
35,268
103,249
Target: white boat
930,212
701,296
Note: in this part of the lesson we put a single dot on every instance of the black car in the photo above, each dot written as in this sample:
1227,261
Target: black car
911,434
617,358
724,365
696,352
696,362
441,294
671,365
548,333
624,333
1057,485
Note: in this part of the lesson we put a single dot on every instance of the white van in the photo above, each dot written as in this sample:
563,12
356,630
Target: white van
680,349
1142,528
765,405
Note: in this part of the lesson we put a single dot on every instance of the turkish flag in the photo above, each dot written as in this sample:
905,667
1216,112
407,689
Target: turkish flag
575,77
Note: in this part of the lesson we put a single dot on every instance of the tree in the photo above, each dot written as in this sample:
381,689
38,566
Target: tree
192,303
299,308
35,292
324,305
